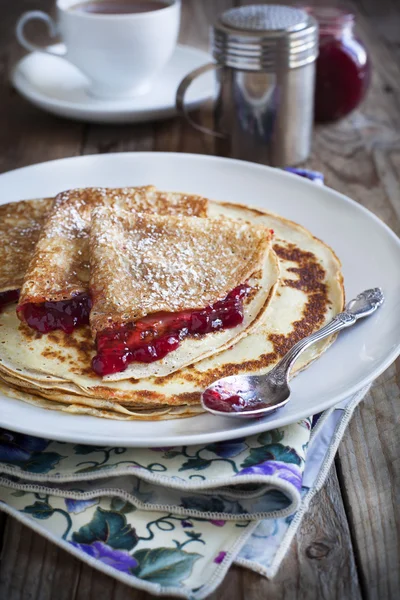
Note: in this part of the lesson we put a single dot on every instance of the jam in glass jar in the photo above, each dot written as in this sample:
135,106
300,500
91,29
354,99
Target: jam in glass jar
343,66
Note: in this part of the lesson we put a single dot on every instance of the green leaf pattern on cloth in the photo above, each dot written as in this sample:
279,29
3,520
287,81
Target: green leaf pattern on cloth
39,510
271,452
109,527
166,566
162,516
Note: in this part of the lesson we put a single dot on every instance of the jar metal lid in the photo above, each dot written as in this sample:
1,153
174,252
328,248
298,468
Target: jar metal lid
264,38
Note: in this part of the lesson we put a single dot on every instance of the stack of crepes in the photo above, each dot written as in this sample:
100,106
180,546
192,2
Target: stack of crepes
131,301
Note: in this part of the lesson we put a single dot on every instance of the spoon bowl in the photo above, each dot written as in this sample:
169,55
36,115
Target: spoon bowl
252,396
245,396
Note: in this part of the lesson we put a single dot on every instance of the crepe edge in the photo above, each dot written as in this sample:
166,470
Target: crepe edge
168,413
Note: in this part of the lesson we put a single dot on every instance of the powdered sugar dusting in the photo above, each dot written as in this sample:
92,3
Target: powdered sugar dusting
60,265
141,264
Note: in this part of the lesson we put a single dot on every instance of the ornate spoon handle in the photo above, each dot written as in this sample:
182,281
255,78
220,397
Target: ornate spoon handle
364,305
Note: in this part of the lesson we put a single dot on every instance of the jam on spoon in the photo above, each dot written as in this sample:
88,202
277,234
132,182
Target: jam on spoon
153,337
343,66
222,401
65,314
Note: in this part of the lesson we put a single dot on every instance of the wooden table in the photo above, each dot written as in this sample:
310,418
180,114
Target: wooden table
349,543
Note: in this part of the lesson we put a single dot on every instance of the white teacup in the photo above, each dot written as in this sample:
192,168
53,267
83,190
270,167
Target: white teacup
121,54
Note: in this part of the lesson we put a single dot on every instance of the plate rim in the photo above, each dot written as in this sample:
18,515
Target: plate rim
259,426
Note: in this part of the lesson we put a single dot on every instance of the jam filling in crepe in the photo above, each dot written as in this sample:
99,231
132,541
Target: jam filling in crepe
153,337
157,281
7,297
20,227
55,290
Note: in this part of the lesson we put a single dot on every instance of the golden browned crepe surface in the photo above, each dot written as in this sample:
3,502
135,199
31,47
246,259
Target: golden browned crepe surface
143,264
59,268
20,227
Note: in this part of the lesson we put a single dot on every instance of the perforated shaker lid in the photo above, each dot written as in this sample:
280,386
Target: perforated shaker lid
269,17
258,37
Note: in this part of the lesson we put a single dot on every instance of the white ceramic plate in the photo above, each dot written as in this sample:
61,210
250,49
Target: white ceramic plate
370,253
56,86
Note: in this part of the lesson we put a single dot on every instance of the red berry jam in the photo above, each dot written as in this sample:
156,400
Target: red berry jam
8,297
65,315
155,336
223,402
342,68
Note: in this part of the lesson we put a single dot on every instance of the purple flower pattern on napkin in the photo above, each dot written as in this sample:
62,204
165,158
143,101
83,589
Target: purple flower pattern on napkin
19,447
186,523
289,472
78,506
219,558
228,448
118,559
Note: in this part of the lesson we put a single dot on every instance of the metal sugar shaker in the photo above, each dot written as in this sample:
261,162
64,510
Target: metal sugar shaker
265,64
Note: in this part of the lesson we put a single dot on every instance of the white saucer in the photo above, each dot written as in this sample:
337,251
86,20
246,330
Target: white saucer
53,84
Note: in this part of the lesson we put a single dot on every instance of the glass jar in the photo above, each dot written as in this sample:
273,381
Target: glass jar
343,66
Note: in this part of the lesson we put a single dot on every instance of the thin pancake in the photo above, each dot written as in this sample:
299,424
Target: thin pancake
310,293
143,264
146,264
20,227
59,268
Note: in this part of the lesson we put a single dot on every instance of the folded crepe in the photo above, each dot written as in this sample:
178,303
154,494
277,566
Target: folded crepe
168,291
54,371
58,273
20,227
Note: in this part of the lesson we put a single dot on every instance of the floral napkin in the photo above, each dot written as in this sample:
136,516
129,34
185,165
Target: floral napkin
172,520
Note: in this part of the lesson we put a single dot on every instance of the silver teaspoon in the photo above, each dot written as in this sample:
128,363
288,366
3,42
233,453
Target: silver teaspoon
245,396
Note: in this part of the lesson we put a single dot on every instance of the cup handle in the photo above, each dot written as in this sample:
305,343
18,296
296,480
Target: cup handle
180,99
51,26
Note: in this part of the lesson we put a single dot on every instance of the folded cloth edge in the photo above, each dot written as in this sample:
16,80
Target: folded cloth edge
293,495
319,482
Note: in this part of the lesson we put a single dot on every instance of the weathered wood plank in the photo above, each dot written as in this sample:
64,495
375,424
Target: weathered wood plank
3,520
97,586
369,142
32,567
361,157
369,466
383,22
28,135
